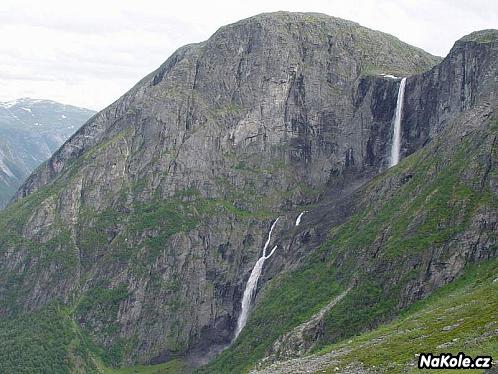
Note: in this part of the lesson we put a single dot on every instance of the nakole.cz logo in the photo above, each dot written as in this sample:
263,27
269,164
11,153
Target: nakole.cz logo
448,361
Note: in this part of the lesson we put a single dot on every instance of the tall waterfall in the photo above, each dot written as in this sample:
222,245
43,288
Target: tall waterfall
395,148
252,283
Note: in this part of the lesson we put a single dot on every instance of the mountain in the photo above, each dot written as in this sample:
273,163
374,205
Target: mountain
30,132
133,244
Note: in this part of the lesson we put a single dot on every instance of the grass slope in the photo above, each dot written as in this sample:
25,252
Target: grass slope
460,317
170,367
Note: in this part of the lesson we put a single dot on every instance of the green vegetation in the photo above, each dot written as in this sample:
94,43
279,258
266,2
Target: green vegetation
429,206
57,250
48,341
105,299
170,367
283,307
42,342
230,108
426,210
424,213
482,36
167,218
97,308
460,317
435,199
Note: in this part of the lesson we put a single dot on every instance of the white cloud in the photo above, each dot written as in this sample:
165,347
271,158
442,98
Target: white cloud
90,52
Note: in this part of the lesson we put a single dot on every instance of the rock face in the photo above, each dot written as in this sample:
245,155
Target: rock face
409,231
30,132
465,78
149,219
279,88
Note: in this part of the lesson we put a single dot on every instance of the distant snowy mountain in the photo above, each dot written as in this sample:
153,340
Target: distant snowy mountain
30,131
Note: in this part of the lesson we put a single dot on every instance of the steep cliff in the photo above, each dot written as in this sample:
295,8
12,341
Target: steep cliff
412,230
146,223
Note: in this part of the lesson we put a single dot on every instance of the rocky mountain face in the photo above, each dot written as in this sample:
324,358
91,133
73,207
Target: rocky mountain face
398,238
147,222
271,80
406,233
30,132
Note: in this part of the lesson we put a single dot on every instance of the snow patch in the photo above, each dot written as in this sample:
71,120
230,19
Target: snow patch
8,104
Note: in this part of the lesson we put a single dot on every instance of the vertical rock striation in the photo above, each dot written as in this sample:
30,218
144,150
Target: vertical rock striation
148,221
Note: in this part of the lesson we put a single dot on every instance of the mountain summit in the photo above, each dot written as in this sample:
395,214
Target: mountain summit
138,236
253,84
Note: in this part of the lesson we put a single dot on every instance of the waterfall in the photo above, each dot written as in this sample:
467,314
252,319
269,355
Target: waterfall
252,283
396,142
298,220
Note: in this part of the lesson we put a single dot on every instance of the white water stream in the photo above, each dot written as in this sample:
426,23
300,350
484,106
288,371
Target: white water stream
298,220
252,283
396,143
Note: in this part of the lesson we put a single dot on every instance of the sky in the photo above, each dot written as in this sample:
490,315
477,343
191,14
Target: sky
88,53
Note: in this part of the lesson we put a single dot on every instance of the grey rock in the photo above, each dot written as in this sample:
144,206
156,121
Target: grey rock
273,112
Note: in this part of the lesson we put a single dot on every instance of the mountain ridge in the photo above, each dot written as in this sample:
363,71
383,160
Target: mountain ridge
283,19
31,130
158,206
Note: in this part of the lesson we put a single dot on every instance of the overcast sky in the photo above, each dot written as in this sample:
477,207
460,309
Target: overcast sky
88,53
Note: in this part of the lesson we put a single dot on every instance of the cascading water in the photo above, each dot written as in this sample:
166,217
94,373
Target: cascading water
252,283
396,145
298,220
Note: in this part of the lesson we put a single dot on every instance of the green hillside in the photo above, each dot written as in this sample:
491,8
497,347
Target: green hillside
442,201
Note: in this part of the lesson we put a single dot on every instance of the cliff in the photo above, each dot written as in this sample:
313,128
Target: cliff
146,223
